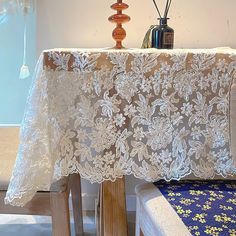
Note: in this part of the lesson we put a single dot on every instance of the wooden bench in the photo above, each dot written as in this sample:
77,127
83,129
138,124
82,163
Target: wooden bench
54,203
186,208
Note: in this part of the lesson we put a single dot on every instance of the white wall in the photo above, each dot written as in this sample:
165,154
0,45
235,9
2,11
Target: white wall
83,23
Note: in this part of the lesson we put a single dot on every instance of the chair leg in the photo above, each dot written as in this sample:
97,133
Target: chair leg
60,214
141,233
75,186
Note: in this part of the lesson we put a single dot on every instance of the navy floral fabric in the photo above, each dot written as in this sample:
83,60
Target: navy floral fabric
205,207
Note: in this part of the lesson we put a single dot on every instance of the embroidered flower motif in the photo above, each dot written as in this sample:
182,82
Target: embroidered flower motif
119,120
87,84
167,82
165,68
103,135
166,103
187,109
129,110
61,60
146,86
66,143
156,82
196,133
224,80
221,65
159,133
126,86
84,61
81,135
138,133
84,113
109,105
166,156
108,158
184,84
217,131
177,118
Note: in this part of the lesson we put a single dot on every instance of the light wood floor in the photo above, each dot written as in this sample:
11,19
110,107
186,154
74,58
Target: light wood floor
15,225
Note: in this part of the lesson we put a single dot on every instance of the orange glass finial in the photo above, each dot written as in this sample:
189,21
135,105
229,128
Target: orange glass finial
119,33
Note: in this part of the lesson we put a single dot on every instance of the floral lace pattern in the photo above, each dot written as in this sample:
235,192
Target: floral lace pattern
155,114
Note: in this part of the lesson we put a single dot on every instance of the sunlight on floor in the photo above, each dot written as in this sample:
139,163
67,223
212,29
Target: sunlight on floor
22,225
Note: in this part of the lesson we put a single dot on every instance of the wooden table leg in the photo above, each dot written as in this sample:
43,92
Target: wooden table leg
113,217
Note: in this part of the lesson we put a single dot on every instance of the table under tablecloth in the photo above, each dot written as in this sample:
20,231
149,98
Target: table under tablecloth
156,114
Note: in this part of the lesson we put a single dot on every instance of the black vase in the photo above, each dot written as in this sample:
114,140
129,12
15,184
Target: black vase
159,36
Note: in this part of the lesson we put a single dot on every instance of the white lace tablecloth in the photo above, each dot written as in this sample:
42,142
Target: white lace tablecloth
156,114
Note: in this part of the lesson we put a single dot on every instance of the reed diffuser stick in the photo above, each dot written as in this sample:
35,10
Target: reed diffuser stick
165,13
157,8
168,8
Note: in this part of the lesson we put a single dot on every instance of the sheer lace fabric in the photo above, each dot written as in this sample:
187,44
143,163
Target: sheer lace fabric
106,113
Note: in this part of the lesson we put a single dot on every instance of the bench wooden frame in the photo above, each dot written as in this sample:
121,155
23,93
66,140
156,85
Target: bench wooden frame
55,204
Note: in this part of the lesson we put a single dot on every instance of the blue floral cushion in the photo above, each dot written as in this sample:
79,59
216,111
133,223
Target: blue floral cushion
205,207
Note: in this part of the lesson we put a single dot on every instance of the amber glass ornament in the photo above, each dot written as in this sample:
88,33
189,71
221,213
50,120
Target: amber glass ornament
119,32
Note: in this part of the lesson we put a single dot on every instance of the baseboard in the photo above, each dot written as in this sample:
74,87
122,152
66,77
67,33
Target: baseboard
88,201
